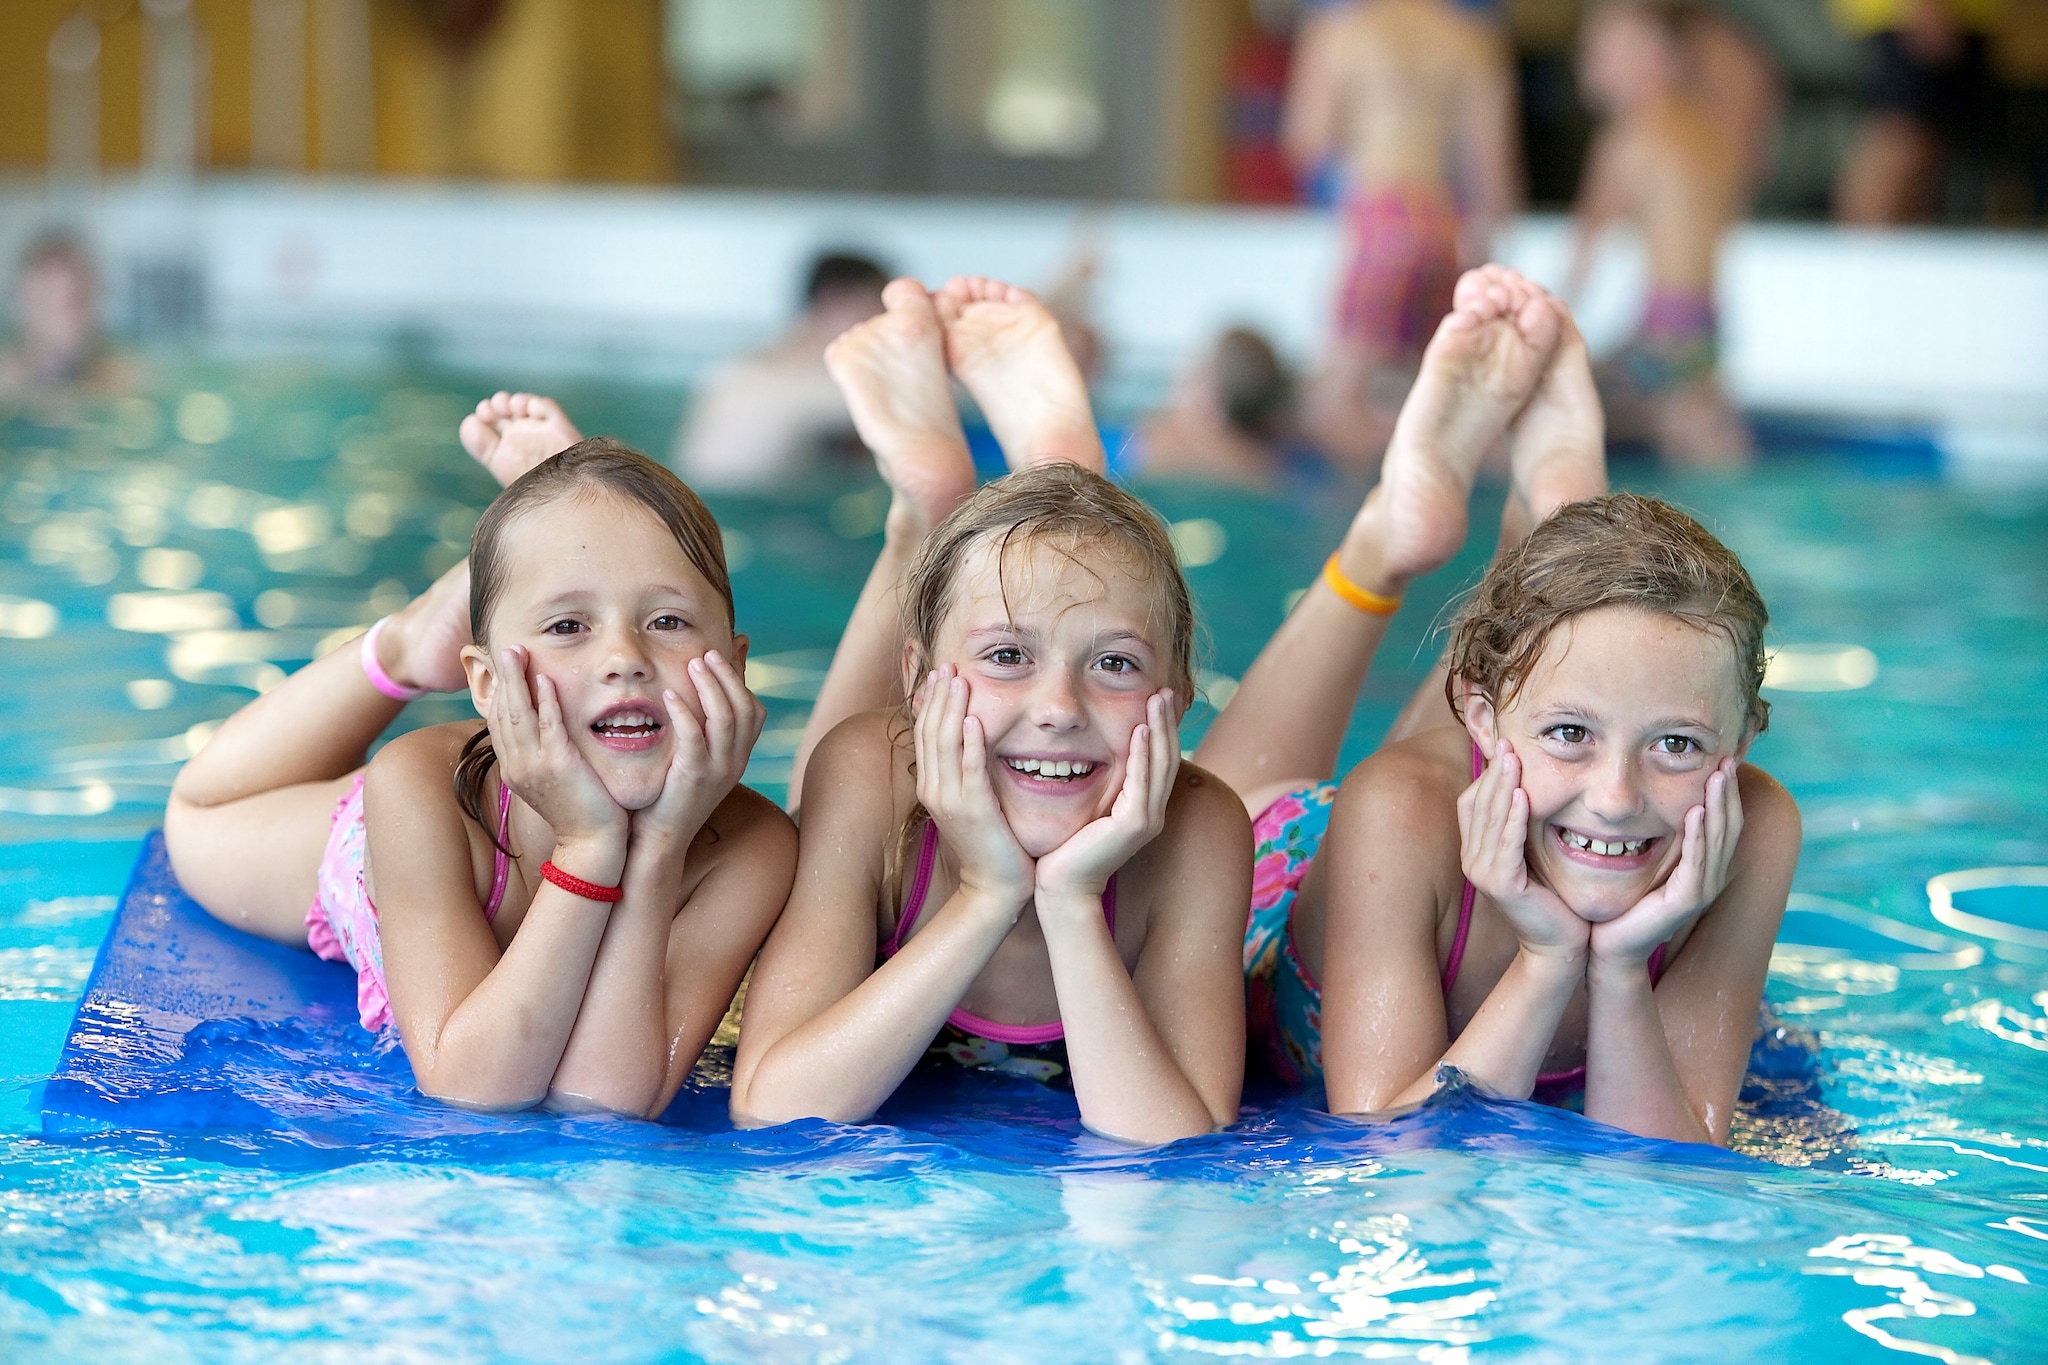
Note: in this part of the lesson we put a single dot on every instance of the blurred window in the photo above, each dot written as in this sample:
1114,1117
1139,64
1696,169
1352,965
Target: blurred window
1022,78
773,69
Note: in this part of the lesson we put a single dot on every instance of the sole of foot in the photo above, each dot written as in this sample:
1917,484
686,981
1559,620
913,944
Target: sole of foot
1006,349
1477,374
891,370
510,433
1558,447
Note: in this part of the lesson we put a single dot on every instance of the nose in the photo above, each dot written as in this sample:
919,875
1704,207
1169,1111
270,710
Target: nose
625,657
1615,793
1056,701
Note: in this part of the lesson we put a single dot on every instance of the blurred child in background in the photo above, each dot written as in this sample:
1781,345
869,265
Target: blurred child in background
1662,163
56,304
1416,99
764,418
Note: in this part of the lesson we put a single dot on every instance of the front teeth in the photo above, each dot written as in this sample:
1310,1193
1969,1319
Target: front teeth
1606,848
1040,767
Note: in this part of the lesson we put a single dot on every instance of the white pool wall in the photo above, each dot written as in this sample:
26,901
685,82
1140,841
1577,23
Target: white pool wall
1944,329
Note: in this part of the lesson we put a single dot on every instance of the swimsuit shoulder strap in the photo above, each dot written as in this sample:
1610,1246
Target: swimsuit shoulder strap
913,904
501,861
1464,903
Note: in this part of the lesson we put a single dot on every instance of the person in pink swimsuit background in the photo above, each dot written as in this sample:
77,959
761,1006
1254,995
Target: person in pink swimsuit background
556,905
1414,101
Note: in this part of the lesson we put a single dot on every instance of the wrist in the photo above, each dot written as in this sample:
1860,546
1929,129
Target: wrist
1605,972
1562,968
599,859
995,898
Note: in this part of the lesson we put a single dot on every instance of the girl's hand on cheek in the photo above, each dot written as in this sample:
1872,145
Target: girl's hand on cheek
538,760
1081,867
710,756
1493,828
1707,846
953,785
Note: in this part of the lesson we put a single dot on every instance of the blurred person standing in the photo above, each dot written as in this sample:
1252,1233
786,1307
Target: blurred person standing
56,305
762,419
1416,99
1929,91
1661,162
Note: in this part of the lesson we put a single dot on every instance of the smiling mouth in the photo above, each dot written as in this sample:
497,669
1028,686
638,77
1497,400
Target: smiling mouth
1605,848
628,730
1051,770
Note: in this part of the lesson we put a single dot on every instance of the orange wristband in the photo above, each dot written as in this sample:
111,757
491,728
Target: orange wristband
1362,598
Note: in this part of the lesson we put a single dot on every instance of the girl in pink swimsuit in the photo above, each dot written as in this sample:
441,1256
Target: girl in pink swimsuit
1014,871
557,904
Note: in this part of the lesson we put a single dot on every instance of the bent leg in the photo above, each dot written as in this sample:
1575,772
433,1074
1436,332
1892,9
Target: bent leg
247,818
892,369
1286,723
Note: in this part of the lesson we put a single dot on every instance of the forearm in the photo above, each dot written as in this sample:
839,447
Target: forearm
617,1053
1631,1081
1127,1083
501,1043
1504,1044
844,1062
865,673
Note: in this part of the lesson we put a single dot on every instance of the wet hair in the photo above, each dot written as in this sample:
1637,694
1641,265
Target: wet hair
1621,550
1255,388
596,468
1066,508
843,272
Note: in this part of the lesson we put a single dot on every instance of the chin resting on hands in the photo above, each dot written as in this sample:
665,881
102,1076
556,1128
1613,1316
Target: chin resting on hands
1081,867
538,760
1707,847
954,788
1493,830
710,755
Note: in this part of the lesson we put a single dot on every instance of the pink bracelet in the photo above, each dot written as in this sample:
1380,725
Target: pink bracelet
374,671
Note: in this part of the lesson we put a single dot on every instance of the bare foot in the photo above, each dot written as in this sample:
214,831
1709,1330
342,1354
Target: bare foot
1006,347
1558,447
1477,374
892,371
510,433
421,645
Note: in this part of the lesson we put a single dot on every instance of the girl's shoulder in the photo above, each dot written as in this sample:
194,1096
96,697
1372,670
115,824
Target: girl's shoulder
1770,817
865,756
1414,781
1206,842
750,820
422,760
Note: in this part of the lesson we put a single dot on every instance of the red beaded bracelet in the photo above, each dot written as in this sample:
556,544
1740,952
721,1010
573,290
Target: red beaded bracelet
576,886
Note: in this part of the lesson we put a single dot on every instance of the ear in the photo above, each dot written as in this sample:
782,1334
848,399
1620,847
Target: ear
1476,708
738,657
1749,734
483,680
913,673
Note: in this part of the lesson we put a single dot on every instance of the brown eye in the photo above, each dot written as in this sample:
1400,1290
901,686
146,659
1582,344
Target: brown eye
1007,656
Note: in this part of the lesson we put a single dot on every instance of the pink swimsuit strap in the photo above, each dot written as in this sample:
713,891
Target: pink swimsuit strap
501,861
1014,1034
1457,957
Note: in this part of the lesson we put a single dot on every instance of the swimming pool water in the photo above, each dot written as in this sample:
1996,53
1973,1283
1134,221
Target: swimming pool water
160,558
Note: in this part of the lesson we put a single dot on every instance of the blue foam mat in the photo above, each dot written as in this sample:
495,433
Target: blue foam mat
195,1039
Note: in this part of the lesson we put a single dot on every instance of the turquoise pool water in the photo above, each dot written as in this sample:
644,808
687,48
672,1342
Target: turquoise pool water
161,558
